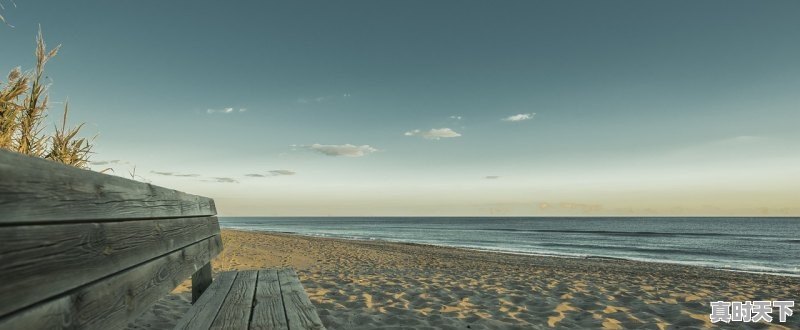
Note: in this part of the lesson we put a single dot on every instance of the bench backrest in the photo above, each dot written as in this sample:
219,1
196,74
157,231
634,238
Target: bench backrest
81,249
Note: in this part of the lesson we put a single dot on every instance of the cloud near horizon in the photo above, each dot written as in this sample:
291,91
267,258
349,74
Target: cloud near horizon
282,172
175,174
225,110
106,162
223,180
322,99
346,150
271,173
520,117
434,133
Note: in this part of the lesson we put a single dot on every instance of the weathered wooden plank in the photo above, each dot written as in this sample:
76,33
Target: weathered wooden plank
43,261
235,311
205,310
201,279
113,301
268,312
37,190
300,313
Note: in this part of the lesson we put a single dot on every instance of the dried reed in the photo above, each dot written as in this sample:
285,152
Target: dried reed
23,107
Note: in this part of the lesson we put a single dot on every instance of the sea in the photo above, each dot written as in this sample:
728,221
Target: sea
758,244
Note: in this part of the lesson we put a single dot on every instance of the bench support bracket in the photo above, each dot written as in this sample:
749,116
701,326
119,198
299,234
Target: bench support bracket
201,279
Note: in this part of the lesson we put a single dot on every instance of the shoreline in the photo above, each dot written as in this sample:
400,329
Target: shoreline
358,284
519,253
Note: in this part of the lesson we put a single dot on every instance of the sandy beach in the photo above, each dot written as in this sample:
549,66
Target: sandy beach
371,284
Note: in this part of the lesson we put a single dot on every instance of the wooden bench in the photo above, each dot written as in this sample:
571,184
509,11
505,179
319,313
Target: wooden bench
278,300
85,250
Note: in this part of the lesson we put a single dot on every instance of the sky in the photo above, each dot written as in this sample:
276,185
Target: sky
459,108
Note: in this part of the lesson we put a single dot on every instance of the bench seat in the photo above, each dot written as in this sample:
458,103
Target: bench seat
253,299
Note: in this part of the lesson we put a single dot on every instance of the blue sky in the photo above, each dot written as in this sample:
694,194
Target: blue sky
628,108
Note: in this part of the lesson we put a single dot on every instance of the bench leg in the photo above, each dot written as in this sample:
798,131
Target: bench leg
201,279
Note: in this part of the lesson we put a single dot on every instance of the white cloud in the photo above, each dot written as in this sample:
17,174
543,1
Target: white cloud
186,175
492,177
225,110
272,173
456,117
434,134
347,150
520,117
107,162
319,99
282,172
324,99
224,180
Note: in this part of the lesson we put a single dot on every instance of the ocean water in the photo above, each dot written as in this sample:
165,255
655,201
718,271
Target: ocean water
769,245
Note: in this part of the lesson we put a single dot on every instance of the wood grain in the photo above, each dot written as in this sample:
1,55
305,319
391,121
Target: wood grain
111,302
300,313
266,299
235,311
205,310
38,190
268,312
43,261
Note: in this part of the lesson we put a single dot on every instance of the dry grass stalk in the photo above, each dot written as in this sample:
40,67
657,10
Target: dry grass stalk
66,148
31,141
23,106
2,8
10,110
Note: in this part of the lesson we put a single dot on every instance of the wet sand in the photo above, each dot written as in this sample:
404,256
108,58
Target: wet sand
369,284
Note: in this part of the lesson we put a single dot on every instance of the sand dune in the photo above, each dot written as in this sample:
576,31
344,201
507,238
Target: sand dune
368,285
